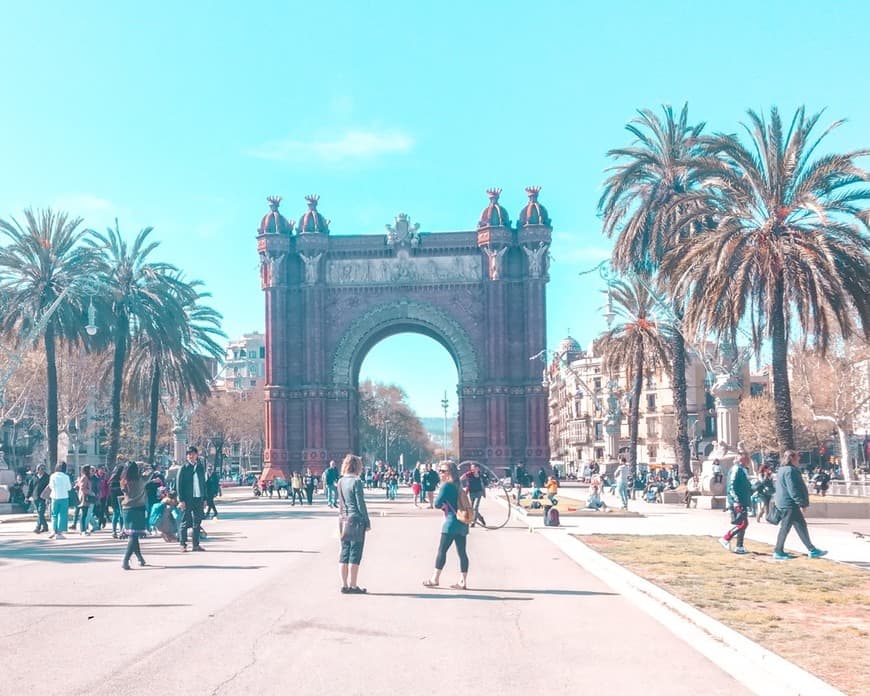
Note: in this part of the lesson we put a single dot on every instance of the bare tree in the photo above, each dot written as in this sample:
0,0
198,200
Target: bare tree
831,388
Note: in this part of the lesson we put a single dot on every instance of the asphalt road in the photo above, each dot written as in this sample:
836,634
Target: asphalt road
260,613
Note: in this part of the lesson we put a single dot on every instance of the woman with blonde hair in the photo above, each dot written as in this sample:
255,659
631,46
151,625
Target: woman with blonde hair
353,523
452,531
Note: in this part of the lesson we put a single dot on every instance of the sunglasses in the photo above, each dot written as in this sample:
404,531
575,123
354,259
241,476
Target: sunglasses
443,471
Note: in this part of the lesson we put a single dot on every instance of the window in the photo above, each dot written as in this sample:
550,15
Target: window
262,352
597,384
650,402
253,383
652,428
599,430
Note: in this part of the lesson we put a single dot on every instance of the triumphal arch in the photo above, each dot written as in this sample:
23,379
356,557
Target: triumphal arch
330,298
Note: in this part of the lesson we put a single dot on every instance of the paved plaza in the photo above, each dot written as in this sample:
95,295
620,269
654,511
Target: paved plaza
260,612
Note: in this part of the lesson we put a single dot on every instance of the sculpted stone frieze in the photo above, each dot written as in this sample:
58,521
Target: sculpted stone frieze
404,269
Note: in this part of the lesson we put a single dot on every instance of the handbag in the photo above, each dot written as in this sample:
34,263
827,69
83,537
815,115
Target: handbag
46,493
352,527
774,514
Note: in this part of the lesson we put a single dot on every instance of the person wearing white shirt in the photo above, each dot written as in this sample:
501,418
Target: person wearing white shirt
60,486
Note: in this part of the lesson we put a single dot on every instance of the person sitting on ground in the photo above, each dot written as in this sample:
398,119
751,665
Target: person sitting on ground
537,493
594,501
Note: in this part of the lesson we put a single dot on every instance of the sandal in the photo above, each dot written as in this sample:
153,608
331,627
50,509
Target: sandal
345,590
356,590
458,586
429,583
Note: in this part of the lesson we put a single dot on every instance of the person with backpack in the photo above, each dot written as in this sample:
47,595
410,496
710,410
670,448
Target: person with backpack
474,485
430,480
453,530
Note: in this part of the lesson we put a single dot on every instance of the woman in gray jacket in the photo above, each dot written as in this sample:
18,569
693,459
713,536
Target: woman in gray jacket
791,498
352,504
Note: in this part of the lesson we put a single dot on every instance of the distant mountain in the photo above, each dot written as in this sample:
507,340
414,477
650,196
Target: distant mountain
435,428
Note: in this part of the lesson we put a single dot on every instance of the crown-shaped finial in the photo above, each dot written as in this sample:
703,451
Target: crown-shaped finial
493,194
533,192
274,200
312,199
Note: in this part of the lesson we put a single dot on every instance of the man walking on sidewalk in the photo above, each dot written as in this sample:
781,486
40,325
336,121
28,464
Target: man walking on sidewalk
791,499
191,491
739,499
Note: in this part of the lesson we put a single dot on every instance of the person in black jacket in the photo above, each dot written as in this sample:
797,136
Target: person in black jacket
34,493
191,492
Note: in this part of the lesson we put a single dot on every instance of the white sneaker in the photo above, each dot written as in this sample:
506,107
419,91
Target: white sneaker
725,543
740,550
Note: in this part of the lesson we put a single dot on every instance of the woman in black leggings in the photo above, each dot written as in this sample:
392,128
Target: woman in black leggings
452,531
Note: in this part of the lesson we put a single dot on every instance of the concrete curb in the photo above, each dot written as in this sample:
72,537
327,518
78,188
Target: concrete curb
757,668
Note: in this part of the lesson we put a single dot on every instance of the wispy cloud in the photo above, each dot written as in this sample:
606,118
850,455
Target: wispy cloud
83,204
352,145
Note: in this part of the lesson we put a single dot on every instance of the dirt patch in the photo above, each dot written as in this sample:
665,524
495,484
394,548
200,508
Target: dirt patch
814,613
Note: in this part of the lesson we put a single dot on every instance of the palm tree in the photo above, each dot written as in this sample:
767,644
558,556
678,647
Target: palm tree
180,368
636,344
145,298
789,243
41,270
642,206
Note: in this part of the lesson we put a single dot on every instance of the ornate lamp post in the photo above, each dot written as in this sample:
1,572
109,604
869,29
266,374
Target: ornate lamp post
444,404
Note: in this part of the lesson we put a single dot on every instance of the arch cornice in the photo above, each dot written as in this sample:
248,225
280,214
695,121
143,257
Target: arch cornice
407,312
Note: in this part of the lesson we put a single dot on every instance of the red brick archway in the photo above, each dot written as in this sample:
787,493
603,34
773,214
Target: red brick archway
330,298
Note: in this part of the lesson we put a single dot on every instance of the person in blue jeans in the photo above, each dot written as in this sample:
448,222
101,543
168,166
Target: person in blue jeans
61,486
330,476
791,499
452,530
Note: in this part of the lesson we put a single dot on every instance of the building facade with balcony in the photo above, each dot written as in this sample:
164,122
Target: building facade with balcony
578,391
245,363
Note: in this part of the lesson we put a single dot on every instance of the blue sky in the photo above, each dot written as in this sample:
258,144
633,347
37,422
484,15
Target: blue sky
184,116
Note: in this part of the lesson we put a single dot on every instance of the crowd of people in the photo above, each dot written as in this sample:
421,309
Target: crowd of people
136,499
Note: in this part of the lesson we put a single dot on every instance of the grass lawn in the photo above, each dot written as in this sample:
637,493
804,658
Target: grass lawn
572,507
813,613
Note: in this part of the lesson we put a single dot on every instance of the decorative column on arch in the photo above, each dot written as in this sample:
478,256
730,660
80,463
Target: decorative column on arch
534,234
312,245
274,242
495,238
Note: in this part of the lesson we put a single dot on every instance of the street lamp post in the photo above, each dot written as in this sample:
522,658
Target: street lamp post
386,442
444,405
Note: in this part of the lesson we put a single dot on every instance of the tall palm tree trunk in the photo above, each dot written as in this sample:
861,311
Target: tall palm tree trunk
51,399
154,404
681,408
122,328
634,410
779,364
